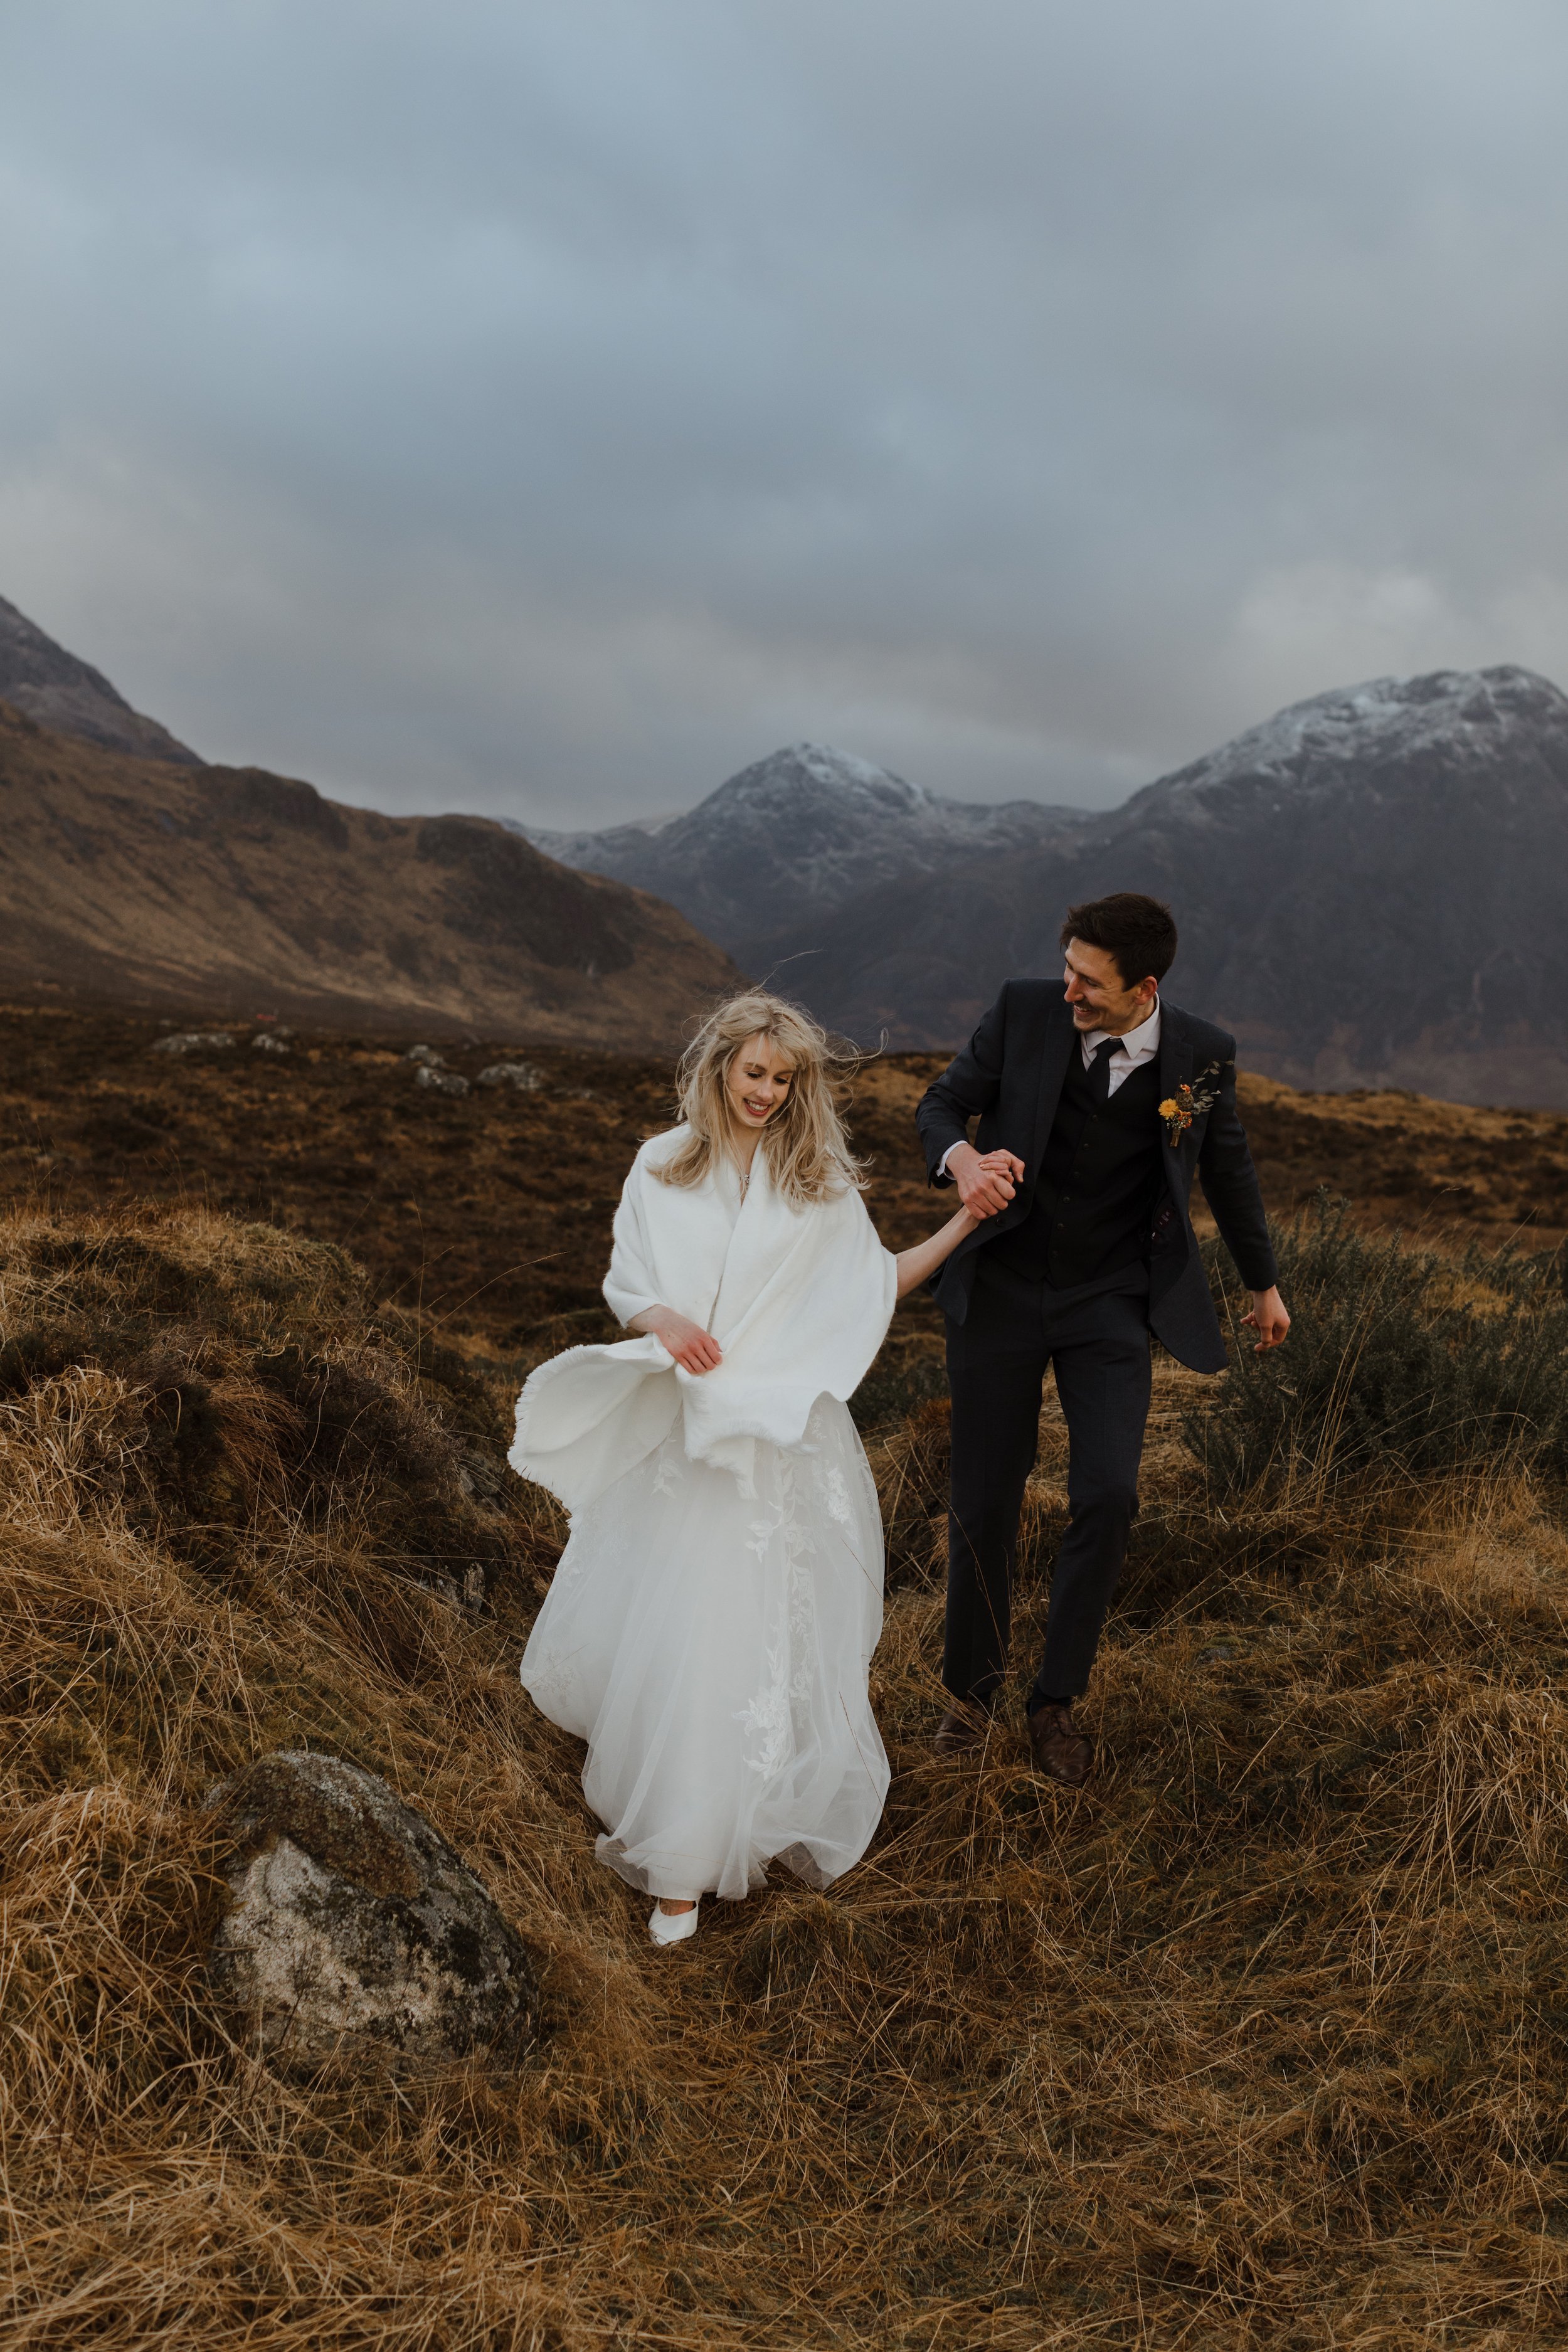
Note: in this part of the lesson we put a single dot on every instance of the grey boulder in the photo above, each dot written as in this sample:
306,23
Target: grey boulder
521,1076
354,1933
440,1082
194,1041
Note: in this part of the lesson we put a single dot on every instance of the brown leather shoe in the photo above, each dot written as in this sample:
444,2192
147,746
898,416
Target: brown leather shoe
961,1730
1060,1751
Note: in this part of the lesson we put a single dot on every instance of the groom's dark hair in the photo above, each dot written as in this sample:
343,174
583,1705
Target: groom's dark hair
1138,931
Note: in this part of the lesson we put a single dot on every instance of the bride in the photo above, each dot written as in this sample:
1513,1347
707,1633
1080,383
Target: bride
711,1622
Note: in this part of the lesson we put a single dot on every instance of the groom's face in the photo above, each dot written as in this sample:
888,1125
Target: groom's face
1100,997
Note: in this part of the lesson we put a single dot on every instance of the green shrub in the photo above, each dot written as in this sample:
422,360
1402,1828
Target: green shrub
1397,1359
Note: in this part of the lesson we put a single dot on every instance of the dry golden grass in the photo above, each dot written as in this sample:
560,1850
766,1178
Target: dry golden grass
1262,2041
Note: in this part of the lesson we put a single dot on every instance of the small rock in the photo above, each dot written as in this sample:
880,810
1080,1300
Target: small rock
443,1082
194,1041
484,1479
521,1076
1216,1655
268,1041
355,1933
425,1054
467,1592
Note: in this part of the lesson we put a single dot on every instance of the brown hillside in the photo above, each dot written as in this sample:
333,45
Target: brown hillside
238,892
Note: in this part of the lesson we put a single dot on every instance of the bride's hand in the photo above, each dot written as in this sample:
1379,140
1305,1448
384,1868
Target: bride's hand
694,1350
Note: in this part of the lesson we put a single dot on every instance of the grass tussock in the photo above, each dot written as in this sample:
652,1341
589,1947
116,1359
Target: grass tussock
1403,1361
1261,2042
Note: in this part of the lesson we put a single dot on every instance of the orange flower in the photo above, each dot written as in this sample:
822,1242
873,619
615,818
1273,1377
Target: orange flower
1169,1108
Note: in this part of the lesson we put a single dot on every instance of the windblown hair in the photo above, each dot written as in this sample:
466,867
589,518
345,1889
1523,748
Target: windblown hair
806,1149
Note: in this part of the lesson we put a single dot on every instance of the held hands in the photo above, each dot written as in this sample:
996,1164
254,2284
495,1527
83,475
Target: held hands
986,1181
694,1350
1268,1319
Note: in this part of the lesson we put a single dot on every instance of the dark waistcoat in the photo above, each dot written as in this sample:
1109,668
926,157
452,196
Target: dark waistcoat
1099,1180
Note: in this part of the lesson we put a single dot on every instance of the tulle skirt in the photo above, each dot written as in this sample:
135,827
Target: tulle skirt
710,1637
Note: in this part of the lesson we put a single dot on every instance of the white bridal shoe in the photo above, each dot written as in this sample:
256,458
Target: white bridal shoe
673,1927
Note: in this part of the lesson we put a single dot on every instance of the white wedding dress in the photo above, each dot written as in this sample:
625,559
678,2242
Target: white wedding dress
711,1625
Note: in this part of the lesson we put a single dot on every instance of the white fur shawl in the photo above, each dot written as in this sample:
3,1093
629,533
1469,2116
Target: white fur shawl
798,1299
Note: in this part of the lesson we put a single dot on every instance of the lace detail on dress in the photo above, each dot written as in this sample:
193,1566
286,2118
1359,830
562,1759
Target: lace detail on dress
836,1493
670,1467
765,1720
551,1675
569,1568
777,1717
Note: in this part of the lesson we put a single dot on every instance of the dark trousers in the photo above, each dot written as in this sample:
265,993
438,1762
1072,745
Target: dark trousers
1097,1344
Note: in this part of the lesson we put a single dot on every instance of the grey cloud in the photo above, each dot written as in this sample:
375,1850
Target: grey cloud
549,410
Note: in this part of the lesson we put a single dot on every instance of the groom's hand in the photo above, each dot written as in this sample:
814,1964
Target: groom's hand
1268,1319
985,1181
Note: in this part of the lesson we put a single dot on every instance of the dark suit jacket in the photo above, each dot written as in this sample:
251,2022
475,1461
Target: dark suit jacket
1011,1074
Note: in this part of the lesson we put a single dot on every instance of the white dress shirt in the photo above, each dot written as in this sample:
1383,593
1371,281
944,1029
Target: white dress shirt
1139,1045
1132,1050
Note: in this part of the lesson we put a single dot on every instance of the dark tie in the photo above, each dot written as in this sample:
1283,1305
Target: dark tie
1100,1069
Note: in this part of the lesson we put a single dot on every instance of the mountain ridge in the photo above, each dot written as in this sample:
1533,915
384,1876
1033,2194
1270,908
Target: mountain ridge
44,682
808,824
186,887
1366,885
1368,888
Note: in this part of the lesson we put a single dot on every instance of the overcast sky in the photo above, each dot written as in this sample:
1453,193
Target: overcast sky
548,406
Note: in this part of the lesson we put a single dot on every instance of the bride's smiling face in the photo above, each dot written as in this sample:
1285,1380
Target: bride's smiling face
757,1083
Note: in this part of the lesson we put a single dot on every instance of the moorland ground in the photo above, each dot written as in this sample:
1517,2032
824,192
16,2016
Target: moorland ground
491,1213
1261,2040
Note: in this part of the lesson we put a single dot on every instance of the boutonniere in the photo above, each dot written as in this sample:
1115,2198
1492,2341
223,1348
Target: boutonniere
1190,1101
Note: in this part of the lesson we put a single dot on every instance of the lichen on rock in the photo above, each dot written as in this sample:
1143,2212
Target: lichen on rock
354,1932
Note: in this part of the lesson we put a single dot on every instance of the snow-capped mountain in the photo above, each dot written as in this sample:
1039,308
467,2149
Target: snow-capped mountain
799,834
1372,886
1499,724
1371,889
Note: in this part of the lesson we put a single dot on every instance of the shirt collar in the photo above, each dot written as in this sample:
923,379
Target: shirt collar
1143,1040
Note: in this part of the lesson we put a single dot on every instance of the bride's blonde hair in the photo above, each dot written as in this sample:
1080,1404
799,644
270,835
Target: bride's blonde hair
806,1149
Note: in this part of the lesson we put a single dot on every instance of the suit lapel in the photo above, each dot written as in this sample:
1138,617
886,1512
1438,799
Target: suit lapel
1175,1064
1061,1039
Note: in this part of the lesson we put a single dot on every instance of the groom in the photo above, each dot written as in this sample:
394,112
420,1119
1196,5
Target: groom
1097,1107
